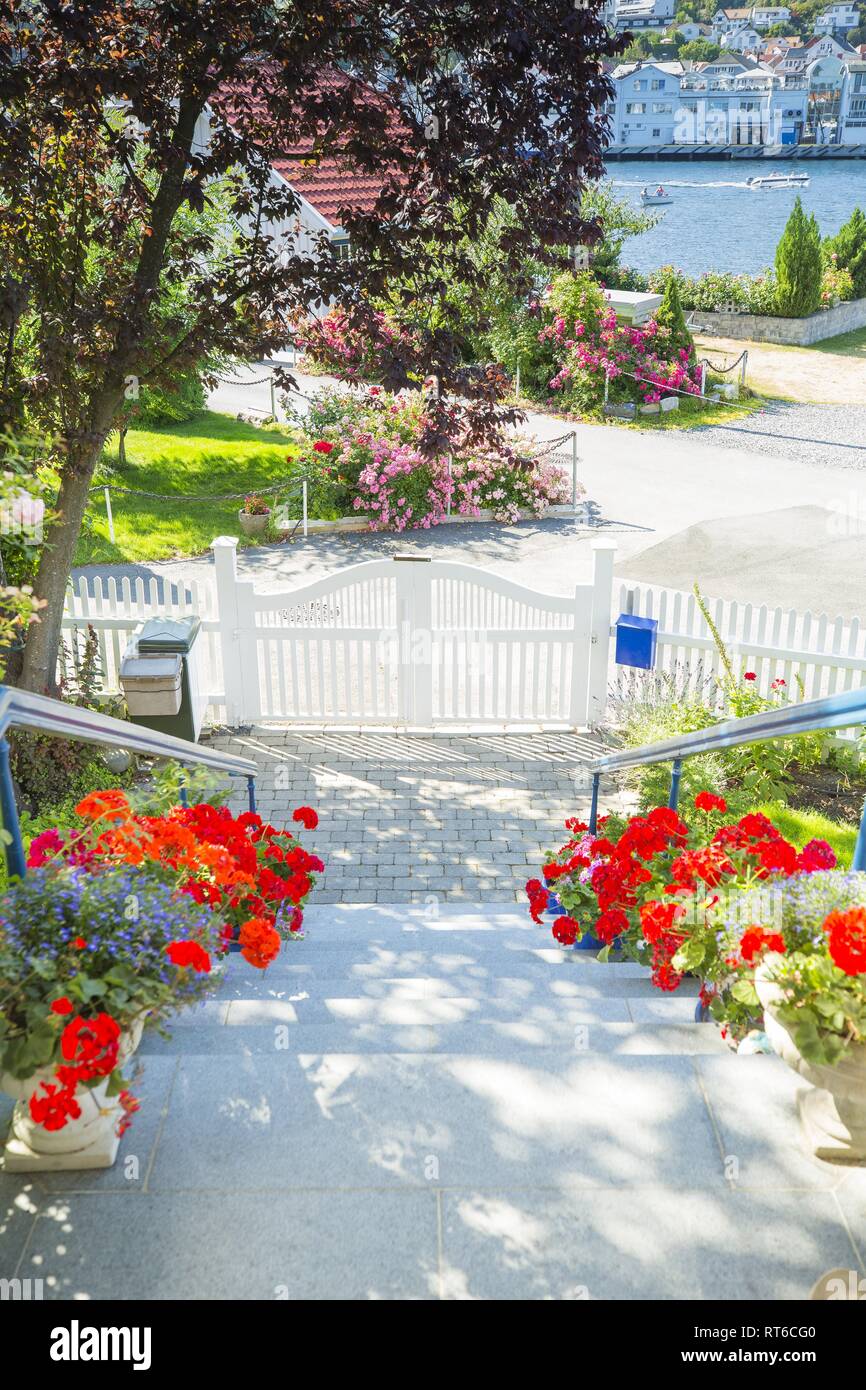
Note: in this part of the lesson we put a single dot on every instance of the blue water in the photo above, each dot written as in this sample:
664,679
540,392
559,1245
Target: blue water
716,223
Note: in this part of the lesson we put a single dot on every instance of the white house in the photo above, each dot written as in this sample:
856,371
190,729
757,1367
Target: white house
765,16
852,109
837,19
643,14
644,110
691,30
729,102
744,40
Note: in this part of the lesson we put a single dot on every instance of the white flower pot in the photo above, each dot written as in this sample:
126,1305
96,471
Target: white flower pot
833,1114
91,1141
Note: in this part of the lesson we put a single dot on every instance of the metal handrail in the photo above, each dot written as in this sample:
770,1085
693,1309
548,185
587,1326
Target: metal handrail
24,710
830,712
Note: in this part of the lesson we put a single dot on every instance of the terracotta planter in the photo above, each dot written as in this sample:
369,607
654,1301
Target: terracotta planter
91,1141
833,1114
254,524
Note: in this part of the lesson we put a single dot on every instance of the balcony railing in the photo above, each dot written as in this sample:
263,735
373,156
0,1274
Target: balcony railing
21,710
831,712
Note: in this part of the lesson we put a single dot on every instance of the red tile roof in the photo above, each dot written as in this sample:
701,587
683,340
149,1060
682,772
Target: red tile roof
332,183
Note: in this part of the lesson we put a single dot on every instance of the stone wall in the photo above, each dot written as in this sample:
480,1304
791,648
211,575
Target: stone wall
761,328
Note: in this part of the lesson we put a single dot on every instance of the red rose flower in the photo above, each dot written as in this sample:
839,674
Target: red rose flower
750,676
307,817
847,943
322,446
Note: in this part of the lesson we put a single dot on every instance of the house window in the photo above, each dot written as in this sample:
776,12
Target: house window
341,249
662,108
635,108
656,132
657,84
640,85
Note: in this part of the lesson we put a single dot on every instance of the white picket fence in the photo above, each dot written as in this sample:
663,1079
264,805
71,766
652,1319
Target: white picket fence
398,642
814,654
418,643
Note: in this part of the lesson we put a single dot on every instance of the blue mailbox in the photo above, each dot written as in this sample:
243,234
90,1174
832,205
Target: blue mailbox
636,640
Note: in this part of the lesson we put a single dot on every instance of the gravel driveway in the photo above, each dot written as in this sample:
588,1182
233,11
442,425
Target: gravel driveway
825,436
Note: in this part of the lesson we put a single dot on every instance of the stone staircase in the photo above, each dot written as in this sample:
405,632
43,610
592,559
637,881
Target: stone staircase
418,1103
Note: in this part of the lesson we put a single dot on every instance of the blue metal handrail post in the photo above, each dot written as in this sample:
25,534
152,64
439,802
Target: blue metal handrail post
859,860
16,864
593,809
251,789
676,774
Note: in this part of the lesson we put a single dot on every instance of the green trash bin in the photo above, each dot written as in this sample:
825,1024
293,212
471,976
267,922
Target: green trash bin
148,674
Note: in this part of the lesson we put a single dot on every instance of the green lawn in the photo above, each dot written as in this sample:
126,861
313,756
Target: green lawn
851,344
207,455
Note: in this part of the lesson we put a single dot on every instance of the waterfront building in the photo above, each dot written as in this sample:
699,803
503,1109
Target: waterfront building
852,106
731,101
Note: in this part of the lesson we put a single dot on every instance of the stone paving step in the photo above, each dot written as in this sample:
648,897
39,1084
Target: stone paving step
481,1038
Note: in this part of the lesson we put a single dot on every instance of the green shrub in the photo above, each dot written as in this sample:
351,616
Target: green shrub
799,265
670,317
847,251
169,405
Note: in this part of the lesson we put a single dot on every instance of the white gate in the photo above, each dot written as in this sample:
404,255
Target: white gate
411,641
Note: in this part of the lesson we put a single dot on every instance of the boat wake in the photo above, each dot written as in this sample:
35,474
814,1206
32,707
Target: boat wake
682,183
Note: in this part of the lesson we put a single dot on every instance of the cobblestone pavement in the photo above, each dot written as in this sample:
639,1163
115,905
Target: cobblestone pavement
466,818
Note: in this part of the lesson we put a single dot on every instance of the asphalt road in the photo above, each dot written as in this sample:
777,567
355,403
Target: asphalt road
748,521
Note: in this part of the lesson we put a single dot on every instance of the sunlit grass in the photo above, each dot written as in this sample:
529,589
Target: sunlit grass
208,455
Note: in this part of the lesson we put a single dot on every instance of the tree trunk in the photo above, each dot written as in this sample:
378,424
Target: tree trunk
39,671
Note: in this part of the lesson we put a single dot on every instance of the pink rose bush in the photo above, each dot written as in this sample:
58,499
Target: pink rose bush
587,344
364,454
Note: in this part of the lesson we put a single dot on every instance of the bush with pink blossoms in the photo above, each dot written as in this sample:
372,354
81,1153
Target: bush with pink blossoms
332,344
364,453
590,345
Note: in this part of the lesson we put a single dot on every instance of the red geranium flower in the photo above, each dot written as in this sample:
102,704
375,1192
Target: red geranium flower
91,1045
307,816
750,676
756,940
847,933
566,931
56,1108
260,943
708,801
62,1005
817,854
610,925
189,953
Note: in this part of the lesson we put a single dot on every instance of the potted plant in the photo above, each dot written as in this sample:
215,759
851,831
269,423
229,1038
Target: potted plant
88,955
814,1003
254,875
254,516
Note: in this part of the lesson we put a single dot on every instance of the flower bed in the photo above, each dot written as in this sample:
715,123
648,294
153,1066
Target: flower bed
362,452
710,896
119,922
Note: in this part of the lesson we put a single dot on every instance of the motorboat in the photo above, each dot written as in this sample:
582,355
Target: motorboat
778,180
654,200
